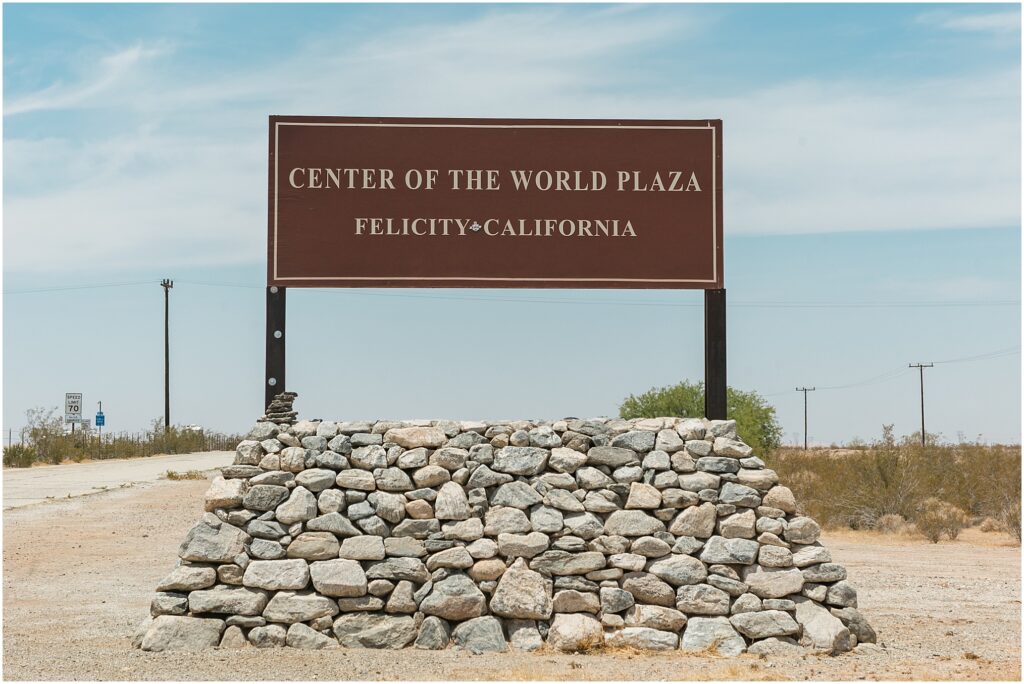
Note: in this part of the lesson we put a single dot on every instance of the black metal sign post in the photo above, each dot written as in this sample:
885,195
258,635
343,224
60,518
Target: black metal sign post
274,381
714,354
714,350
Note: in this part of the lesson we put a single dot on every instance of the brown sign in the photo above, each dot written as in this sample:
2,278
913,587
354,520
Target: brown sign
358,202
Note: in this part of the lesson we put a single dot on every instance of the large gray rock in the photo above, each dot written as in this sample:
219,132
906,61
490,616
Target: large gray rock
339,578
802,531
434,635
611,456
712,634
773,582
565,460
224,493
824,631
633,524
188,578
213,541
573,601
305,637
615,600
363,547
505,520
451,503
695,521
335,523
636,440
291,606
454,598
396,569
277,574
556,562
178,633
300,507
414,437
268,636
655,617
516,494
824,573
643,496
644,638
522,545
520,460
314,546
575,632
763,624
730,551
647,588
702,599
227,600
374,630
480,635
678,569
523,635
856,623
780,497
739,495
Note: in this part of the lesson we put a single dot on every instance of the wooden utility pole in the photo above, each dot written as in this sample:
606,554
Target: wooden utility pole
167,285
805,390
920,367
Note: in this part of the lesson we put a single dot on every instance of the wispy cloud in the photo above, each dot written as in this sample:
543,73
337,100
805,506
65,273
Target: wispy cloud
112,72
1000,22
180,176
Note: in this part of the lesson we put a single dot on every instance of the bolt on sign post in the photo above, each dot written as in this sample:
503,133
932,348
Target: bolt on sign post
585,204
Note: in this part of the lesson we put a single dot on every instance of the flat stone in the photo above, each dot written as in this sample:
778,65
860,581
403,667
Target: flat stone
715,633
522,545
802,530
730,551
695,521
643,496
647,588
411,569
364,547
678,569
614,600
565,460
414,437
229,600
188,578
338,578
811,554
738,525
178,633
773,582
824,573
702,599
520,460
224,493
636,440
644,638
574,632
767,623
655,617
314,546
456,557
276,574
268,636
360,480
573,601
739,495
505,520
360,604
611,456
374,630
565,563
288,607
632,524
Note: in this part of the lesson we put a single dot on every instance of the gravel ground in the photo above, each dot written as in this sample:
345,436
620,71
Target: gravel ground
79,575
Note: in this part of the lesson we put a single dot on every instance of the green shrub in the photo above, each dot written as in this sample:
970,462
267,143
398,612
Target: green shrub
19,456
755,418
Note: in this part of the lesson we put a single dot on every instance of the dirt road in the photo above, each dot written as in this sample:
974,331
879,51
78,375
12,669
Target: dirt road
79,575
25,486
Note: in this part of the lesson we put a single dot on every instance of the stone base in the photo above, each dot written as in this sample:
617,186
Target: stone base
658,534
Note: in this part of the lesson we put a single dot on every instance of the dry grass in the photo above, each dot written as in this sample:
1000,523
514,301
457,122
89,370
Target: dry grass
876,487
187,475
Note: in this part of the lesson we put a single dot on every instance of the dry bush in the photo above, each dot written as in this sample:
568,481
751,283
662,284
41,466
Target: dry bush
187,475
990,525
936,517
889,477
891,523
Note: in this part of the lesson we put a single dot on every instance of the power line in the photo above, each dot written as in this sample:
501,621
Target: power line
754,304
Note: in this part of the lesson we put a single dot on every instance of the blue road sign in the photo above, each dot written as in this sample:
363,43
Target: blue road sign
100,419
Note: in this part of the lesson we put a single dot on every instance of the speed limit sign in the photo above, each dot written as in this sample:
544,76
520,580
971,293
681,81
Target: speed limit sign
73,407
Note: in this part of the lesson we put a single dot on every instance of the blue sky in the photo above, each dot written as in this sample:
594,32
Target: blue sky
872,156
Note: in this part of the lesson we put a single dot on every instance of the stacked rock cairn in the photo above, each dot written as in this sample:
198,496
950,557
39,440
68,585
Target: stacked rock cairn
280,410
657,534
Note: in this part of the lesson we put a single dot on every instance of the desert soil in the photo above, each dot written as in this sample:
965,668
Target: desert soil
79,574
